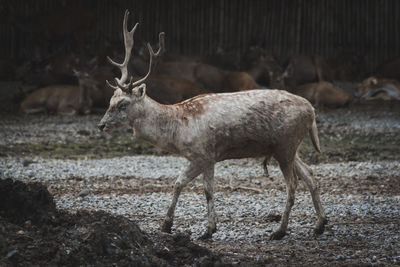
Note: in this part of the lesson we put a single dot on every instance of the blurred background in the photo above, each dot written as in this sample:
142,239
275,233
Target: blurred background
333,45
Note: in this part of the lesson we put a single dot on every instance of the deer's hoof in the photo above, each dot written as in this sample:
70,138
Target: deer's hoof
166,227
278,235
206,236
320,227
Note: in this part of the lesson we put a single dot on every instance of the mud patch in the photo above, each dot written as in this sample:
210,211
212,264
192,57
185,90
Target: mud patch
34,233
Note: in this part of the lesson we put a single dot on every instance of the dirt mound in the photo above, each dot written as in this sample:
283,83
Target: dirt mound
34,232
20,202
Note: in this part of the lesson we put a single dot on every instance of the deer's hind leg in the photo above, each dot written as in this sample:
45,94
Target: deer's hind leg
306,175
286,163
265,165
208,180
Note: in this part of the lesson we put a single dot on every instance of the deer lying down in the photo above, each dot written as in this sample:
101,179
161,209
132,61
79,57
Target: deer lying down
61,99
379,88
214,127
323,93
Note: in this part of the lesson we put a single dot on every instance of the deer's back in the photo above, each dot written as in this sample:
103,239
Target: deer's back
245,123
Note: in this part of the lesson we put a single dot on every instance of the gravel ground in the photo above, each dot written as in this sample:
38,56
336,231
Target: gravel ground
244,215
362,120
169,167
361,198
20,129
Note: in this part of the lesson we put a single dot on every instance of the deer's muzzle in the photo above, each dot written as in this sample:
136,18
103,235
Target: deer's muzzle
101,126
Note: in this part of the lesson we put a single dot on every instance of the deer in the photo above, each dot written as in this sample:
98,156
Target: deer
61,98
202,75
182,70
323,93
379,88
263,67
209,77
214,127
166,89
300,76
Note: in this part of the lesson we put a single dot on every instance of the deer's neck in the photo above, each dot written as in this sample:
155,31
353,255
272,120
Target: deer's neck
158,124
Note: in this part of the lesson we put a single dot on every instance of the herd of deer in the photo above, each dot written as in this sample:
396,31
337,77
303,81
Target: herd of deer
176,78
174,81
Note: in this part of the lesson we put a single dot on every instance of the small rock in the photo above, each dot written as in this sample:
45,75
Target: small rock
84,132
26,162
273,217
11,253
84,193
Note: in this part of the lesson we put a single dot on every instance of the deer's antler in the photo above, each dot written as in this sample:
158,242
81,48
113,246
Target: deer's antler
161,49
128,42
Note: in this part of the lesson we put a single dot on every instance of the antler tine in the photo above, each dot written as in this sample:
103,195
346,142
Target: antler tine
151,52
161,50
161,44
112,86
128,42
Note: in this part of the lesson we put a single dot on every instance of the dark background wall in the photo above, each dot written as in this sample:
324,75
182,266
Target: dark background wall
368,28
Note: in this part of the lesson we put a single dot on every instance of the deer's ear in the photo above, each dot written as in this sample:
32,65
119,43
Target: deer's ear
140,91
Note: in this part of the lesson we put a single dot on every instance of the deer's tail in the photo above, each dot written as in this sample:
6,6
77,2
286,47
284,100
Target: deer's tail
314,136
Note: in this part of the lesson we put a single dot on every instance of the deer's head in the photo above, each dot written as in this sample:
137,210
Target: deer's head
123,106
127,101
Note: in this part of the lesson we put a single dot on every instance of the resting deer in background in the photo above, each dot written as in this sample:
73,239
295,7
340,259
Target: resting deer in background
379,88
61,99
213,127
323,93
207,77
166,89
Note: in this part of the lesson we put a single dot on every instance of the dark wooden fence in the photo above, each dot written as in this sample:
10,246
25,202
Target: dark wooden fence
369,28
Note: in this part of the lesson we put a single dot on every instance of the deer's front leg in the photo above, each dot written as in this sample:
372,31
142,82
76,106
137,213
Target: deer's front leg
191,172
208,180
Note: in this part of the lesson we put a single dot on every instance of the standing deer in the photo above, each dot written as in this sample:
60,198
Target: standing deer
213,127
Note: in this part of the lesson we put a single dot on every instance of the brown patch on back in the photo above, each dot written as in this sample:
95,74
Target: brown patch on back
193,106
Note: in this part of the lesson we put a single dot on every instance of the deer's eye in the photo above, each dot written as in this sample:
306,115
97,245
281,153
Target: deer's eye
122,104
